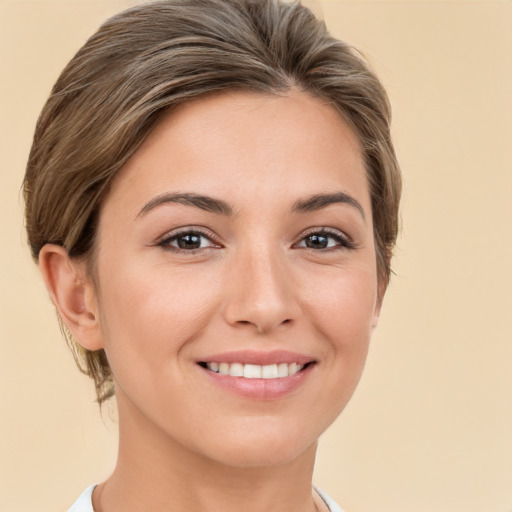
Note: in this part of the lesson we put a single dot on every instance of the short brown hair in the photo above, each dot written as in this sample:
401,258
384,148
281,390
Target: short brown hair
145,61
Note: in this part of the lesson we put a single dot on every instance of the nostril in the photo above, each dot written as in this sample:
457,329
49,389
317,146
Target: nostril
258,326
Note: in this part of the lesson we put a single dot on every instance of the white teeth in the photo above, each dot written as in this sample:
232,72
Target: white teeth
236,370
252,371
269,371
282,370
255,371
293,369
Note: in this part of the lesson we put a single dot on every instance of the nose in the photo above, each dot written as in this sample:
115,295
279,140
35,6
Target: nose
262,294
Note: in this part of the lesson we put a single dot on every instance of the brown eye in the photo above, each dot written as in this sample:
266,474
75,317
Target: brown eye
317,241
187,241
322,240
190,241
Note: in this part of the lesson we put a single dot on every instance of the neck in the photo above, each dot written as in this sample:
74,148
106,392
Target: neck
154,472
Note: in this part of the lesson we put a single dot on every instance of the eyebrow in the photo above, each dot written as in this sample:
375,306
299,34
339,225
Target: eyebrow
207,203
210,204
319,201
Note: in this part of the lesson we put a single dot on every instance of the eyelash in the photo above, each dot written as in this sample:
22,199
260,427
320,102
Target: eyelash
165,243
342,240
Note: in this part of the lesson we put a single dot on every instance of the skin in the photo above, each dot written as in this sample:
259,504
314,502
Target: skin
256,280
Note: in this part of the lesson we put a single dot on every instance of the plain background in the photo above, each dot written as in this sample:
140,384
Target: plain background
430,427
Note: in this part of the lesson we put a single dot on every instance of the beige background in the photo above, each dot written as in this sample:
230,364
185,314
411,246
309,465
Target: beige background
430,428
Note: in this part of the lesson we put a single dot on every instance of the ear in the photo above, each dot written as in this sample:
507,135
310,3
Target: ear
381,290
73,294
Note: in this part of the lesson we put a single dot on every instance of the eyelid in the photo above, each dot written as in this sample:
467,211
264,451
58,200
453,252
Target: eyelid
346,241
165,239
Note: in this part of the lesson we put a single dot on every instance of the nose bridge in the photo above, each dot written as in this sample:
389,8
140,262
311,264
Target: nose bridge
261,291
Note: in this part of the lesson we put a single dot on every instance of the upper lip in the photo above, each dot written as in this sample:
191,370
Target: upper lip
258,357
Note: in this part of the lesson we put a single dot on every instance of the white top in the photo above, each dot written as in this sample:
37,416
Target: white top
84,502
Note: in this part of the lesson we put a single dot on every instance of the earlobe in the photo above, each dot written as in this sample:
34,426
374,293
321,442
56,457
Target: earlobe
382,287
375,319
72,294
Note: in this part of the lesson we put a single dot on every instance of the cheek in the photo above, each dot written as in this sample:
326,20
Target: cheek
344,315
151,313
345,303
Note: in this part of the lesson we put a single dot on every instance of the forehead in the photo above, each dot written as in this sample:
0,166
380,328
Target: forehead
244,146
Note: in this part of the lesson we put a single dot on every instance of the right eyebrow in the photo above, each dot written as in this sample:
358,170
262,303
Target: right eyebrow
319,201
210,204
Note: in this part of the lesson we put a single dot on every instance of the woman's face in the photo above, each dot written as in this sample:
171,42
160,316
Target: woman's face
238,239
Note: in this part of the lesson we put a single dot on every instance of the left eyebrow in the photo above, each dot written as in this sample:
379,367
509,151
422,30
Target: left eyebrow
207,203
319,201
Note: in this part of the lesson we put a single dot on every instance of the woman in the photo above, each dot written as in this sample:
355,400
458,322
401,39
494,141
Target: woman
212,198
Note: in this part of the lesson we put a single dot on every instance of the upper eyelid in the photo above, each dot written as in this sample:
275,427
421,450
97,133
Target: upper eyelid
188,229
328,231
346,241
172,234
323,229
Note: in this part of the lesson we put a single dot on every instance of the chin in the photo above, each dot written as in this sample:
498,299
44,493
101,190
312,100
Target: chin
265,447
253,458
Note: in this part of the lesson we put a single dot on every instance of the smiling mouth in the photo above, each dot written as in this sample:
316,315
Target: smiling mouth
255,371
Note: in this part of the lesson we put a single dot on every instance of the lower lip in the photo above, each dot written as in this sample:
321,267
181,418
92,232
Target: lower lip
260,389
